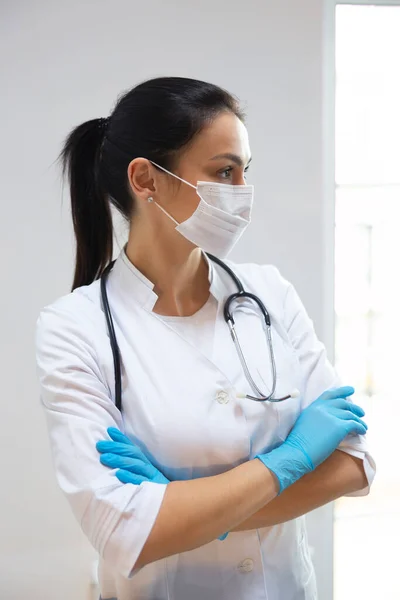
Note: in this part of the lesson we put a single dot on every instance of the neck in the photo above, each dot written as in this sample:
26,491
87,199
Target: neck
177,269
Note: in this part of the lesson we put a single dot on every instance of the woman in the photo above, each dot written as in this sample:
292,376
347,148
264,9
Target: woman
193,490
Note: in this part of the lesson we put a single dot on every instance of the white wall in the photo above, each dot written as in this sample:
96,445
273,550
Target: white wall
65,63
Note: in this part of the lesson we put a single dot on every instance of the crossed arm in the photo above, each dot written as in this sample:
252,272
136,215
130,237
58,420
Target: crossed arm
339,475
236,494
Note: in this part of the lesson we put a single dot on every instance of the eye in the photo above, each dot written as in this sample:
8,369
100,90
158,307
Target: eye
226,173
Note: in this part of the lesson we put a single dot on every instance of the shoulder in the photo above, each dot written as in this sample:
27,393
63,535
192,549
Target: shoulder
275,291
261,279
77,314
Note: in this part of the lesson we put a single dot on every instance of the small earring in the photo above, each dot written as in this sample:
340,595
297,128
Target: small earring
150,199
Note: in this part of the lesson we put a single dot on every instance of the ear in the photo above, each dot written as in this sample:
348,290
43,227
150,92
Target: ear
141,178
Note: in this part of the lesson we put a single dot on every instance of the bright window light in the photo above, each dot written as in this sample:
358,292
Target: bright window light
367,300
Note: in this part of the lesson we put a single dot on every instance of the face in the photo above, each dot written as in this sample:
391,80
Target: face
219,153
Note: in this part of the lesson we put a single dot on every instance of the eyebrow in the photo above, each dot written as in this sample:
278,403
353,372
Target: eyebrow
233,157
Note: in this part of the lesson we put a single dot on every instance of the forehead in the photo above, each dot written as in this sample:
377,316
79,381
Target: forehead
226,134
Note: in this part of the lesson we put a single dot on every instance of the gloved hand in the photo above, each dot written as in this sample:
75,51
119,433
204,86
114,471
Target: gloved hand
132,464
316,434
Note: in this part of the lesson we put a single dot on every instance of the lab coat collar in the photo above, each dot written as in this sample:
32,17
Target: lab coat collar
128,279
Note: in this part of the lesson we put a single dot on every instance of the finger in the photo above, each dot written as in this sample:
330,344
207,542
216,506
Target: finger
127,477
343,404
340,392
117,436
355,409
133,465
114,447
348,415
120,449
358,427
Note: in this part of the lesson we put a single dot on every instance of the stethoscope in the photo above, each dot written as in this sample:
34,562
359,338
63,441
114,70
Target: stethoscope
228,316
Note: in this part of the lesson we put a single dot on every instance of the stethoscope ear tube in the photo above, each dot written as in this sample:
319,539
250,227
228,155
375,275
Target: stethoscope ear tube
113,338
242,294
228,316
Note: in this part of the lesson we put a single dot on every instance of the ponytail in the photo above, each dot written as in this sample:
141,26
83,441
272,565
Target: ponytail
91,213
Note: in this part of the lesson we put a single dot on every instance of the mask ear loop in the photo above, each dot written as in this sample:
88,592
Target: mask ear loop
151,199
173,174
164,211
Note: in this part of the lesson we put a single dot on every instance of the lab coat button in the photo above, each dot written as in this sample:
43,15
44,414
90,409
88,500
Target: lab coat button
222,397
246,565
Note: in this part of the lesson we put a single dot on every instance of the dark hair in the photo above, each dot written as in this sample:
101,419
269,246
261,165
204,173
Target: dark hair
154,120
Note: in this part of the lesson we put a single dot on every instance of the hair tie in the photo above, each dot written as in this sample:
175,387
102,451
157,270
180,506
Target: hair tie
102,123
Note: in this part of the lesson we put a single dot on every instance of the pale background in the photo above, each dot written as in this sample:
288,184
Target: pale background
64,63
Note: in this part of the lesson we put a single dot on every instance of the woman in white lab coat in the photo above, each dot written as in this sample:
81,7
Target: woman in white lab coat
203,496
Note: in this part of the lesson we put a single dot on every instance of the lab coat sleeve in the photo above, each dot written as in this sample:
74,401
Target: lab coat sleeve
319,375
116,518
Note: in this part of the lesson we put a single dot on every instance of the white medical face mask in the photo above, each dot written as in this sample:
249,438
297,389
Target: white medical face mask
220,218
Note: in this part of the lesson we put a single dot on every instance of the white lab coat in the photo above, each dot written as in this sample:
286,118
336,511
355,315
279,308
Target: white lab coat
182,408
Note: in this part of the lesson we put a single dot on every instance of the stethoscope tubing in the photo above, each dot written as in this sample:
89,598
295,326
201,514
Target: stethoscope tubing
228,316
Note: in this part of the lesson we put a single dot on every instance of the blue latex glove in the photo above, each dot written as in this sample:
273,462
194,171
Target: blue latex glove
316,434
132,464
